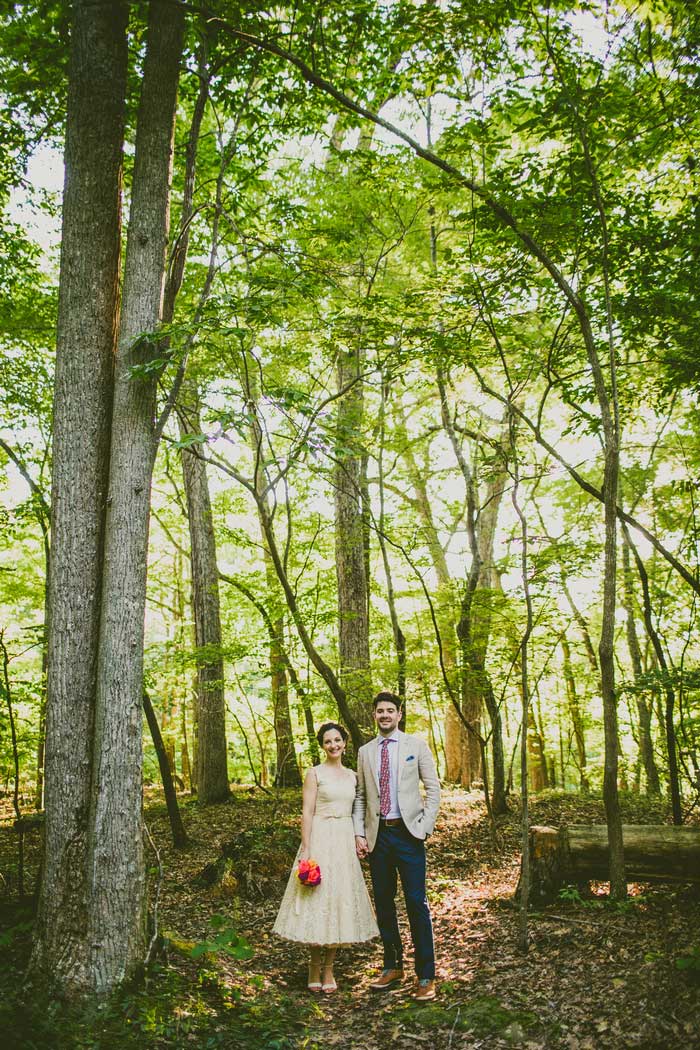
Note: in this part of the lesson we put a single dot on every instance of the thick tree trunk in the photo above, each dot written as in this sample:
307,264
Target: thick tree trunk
117,890
350,547
86,334
211,770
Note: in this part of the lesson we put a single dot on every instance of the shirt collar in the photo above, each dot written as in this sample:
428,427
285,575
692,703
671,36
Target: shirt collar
394,736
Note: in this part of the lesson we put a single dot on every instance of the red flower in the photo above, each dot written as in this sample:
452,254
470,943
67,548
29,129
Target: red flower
308,873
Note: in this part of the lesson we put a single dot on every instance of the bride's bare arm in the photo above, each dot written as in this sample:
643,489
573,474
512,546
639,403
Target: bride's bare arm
308,805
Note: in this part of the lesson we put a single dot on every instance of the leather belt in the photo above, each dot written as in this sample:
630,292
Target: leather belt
394,822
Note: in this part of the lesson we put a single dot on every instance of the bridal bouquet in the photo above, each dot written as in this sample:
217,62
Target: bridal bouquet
309,873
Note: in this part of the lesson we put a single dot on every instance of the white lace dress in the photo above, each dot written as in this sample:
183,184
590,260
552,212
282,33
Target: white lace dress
338,910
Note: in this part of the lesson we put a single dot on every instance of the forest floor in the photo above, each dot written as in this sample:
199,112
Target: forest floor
597,974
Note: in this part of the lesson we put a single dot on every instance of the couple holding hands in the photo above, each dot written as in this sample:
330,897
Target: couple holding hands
378,813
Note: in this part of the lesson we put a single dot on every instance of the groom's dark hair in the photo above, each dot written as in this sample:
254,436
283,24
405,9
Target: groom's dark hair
385,697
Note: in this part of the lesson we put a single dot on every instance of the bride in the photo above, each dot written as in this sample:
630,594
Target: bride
337,910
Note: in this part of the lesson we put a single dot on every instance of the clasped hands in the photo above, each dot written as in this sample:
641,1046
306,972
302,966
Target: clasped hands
361,847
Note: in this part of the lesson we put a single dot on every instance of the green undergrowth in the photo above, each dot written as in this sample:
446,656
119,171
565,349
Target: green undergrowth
483,1016
176,1006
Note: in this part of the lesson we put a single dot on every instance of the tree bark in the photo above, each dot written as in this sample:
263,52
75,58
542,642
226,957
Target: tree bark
177,829
117,888
211,767
287,772
646,744
456,736
86,335
537,761
669,694
576,716
350,546
399,638
474,625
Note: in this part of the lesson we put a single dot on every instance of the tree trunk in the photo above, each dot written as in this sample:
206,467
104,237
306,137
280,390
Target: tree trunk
474,626
489,582
182,642
456,736
86,333
646,744
606,653
117,892
288,774
41,742
673,778
177,829
350,547
498,796
305,703
575,716
537,757
399,638
185,764
211,767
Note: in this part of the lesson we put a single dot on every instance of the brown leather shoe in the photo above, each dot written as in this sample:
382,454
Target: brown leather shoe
424,991
387,980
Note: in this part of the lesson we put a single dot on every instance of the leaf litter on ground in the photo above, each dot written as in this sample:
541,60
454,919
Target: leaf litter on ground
596,976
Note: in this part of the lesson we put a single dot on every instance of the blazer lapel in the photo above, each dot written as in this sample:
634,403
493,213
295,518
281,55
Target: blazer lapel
400,755
373,764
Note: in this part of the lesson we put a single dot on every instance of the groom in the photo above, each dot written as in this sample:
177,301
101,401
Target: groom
392,821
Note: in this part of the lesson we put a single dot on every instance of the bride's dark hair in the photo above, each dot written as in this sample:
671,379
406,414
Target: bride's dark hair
331,725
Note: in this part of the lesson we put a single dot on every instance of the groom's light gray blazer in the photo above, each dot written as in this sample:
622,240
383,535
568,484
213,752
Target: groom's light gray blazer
416,765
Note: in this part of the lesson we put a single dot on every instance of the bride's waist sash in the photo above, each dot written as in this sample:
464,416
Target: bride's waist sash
328,812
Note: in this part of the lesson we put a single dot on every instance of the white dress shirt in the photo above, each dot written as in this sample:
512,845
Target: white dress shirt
393,751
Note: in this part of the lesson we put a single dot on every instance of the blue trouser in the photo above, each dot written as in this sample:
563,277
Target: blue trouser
397,851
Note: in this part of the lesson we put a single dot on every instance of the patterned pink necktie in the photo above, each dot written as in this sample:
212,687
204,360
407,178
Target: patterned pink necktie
384,794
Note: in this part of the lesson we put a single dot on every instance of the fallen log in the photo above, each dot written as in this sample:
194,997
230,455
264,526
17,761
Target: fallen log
577,854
